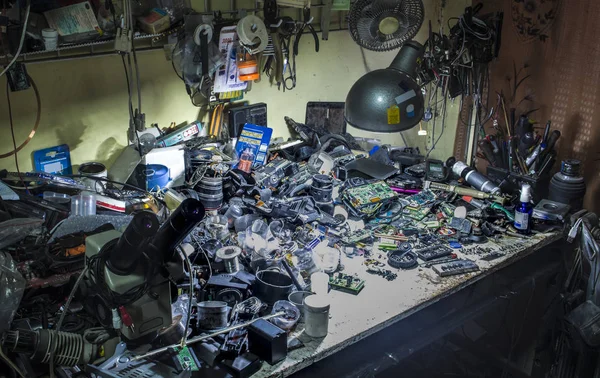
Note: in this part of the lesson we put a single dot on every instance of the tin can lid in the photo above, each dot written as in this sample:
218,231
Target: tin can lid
317,303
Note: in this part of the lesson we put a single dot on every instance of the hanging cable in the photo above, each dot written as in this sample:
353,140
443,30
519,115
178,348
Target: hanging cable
22,40
36,124
12,132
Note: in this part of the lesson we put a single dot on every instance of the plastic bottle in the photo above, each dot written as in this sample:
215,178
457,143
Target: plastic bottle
524,210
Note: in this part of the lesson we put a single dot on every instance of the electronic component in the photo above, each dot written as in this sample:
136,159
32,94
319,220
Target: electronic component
186,360
461,225
346,283
433,252
359,235
551,210
435,170
267,341
367,195
402,259
255,114
180,135
272,173
492,256
455,267
417,170
425,197
18,79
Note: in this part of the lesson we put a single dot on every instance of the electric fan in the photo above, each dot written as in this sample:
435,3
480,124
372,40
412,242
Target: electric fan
383,25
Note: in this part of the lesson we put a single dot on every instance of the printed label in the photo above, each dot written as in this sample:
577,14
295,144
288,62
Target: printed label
393,115
521,220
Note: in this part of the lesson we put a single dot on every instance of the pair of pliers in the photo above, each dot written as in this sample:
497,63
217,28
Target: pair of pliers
306,24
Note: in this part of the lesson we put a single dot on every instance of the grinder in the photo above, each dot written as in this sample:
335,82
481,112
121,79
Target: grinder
126,289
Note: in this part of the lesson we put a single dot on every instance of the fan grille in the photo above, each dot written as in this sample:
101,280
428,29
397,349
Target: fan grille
383,25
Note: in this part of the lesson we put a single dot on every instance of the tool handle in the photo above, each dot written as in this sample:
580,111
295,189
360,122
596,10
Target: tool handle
552,139
546,132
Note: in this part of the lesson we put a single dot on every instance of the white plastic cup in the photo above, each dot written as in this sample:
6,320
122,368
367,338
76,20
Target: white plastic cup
50,37
83,204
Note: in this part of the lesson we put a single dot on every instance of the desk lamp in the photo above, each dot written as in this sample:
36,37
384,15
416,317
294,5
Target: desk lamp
388,100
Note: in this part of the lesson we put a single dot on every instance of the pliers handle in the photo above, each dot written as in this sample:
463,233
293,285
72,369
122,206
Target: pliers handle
306,24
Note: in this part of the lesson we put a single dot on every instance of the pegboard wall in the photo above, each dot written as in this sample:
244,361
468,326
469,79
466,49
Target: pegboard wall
556,43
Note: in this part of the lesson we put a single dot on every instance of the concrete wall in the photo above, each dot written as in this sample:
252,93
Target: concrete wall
84,101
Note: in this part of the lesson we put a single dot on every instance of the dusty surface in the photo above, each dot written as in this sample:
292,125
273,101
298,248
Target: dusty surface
383,302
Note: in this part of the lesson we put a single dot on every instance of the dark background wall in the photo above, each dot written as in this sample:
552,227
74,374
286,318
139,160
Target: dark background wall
558,44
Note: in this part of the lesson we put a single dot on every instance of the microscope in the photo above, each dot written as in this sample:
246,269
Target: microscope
127,287
128,284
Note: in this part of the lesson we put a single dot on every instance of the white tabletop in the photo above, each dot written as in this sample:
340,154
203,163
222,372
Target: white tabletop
382,303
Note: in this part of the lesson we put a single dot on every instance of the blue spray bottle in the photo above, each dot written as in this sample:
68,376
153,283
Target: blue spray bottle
524,211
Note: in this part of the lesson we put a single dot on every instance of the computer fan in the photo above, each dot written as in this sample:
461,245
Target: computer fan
383,25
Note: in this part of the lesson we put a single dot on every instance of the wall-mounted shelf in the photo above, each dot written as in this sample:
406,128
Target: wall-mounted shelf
104,47
145,42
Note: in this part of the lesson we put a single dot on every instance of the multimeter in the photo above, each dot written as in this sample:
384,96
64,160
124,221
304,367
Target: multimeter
435,170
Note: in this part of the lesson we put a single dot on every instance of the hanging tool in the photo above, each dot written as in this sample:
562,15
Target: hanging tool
273,21
306,24
253,34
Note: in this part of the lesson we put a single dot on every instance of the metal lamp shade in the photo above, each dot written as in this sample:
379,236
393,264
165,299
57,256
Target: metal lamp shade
388,100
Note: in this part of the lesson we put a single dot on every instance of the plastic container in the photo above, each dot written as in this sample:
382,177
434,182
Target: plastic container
233,212
291,317
83,204
56,197
297,299
316,315
50,37
212,315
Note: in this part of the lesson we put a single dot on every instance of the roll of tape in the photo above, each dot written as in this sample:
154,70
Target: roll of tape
199,30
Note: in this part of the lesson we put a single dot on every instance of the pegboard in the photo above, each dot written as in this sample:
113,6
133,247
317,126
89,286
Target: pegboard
562,56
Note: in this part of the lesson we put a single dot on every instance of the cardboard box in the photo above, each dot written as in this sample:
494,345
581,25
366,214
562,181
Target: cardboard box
157,21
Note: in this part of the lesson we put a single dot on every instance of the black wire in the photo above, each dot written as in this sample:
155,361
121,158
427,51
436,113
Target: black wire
12,132
128,86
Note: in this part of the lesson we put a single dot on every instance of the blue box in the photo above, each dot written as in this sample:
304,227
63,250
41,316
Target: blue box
252,146
55,160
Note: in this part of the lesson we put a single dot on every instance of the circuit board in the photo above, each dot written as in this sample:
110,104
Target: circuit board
186,360
347,283
369,194
357,236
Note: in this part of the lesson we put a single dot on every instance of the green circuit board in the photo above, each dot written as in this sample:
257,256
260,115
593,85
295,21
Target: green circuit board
347,283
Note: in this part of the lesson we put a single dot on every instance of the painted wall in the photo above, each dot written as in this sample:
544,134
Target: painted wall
84,101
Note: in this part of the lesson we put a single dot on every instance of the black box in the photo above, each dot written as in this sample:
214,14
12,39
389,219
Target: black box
511,183
267,341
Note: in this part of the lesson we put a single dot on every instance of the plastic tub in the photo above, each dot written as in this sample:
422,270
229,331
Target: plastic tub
56,197
83,204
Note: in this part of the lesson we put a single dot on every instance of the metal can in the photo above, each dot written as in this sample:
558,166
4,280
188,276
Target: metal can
316,315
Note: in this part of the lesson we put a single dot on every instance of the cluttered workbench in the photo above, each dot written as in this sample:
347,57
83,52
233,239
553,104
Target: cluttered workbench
353,318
